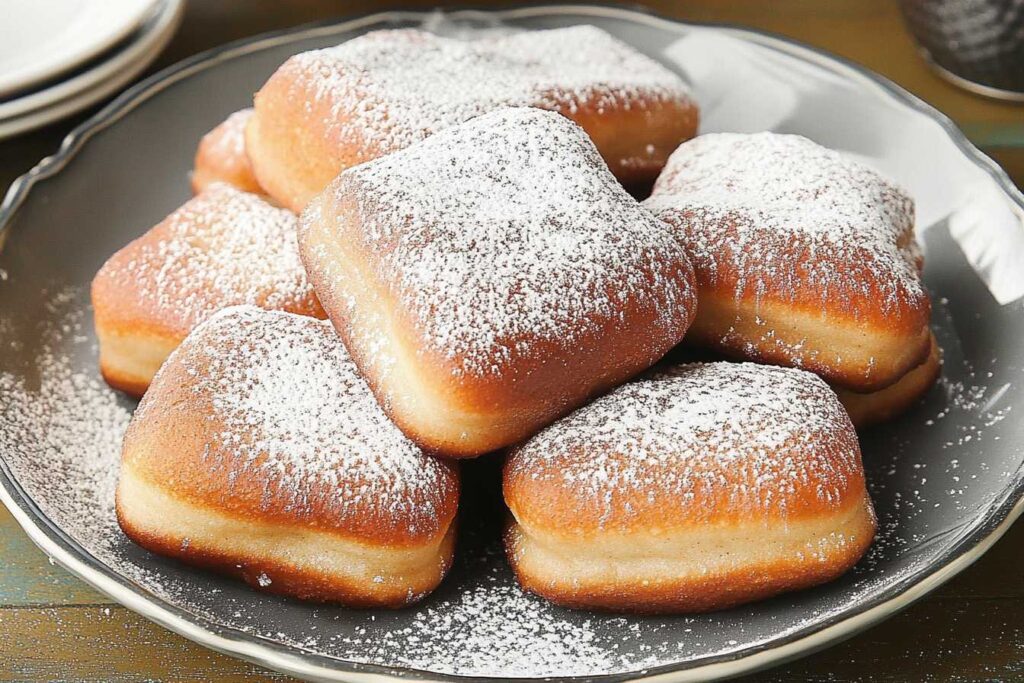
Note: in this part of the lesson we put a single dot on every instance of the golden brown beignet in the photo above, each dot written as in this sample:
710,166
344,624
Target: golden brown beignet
492,277
222,248
260,452
693,488
327,110
885,404
221,156
803,257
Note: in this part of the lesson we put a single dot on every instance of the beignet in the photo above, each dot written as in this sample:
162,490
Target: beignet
694,488
259,452
492,277
328,110
803,257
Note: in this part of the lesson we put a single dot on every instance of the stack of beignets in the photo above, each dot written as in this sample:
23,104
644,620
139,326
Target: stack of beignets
486,275
803,258
327,110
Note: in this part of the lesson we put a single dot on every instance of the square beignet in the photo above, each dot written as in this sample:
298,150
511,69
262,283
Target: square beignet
222,248
492,277
327,110
803,257
260,452
693,488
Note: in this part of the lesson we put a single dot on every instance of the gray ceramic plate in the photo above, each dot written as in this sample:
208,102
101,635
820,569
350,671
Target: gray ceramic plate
946,479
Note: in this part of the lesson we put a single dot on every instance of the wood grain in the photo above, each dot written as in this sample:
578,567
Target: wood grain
103,643
28,578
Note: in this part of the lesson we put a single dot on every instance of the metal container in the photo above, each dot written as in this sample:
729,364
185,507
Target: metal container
976,44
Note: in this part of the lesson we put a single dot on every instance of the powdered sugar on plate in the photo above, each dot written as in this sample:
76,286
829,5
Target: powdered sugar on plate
396,87
778,211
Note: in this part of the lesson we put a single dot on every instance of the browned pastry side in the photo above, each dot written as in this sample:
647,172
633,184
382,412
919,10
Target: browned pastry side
693,488
259,452
492,277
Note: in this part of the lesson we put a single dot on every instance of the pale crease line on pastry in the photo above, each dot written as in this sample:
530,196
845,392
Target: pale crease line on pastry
794,338
689,555
153,511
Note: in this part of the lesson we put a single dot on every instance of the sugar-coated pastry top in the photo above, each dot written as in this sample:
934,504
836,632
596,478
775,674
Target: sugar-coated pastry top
264,413
507,238
395,87
688,445
224,247
778,215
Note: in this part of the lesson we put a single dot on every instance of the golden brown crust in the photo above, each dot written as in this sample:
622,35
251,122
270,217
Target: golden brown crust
279,558
222,248
872,408
635,159
221,156
765,563
686,446
311,118
488,353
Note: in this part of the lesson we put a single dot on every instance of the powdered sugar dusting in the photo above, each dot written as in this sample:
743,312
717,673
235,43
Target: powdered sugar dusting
778,211
395,87
72,418
283,399
766,434
60,433
507,233
228,139
221,248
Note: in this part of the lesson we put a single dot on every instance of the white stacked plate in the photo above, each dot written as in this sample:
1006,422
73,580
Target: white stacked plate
58,57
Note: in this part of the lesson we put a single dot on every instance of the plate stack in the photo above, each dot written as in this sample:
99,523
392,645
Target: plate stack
58,57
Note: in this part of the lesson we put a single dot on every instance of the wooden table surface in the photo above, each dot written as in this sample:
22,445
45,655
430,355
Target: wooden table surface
53,627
